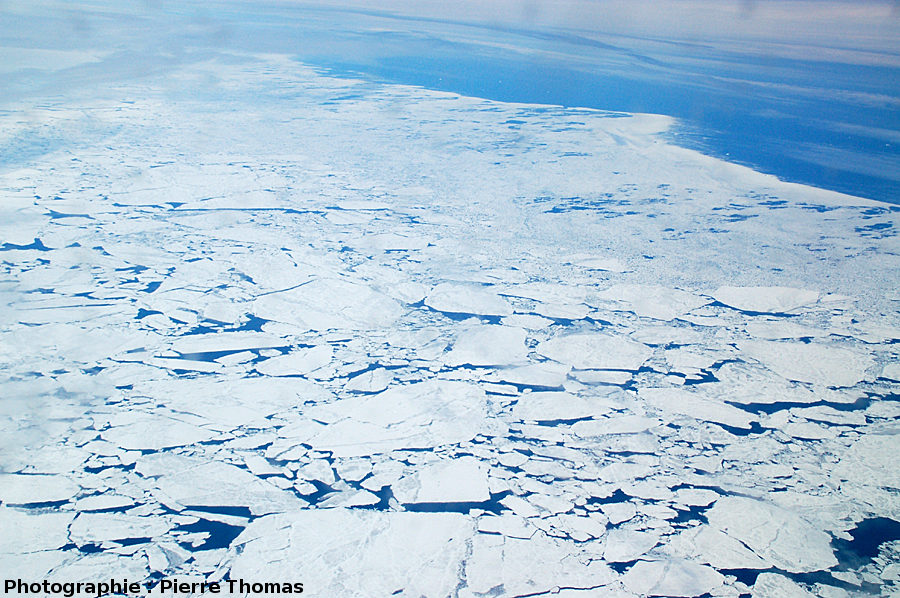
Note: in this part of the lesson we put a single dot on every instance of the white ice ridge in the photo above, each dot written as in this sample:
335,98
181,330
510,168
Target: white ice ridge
531,350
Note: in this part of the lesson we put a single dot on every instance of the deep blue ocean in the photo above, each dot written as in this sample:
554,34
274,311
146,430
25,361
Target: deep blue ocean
814,120
824,114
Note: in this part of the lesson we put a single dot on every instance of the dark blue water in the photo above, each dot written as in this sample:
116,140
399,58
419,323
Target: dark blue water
815,121
802,115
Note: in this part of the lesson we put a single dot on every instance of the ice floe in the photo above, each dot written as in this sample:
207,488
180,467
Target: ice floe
422,415
684,402
459,480
488,345
674,577
343,551
810,362
778,536
596,352
462,299
651,301
765,299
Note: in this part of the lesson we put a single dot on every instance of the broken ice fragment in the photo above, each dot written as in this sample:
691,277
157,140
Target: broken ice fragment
671,578
28,489
685,402
551,406
777,535
374,380
529,322
96,528
422,415
765,299
652,301
623,545
810,362
297,363
193,482
34,531
103,502
891,371
155,433
546,375
529,567
488,345
456,480
713,547
327,303
464,299
509,525
596,351
773,585
613,424
337,550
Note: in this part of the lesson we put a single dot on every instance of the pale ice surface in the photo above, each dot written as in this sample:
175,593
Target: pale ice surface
595,352
257,319
765,299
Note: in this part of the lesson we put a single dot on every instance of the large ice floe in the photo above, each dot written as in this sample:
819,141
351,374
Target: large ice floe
310,327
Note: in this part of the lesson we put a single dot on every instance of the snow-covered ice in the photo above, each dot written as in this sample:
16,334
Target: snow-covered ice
259,319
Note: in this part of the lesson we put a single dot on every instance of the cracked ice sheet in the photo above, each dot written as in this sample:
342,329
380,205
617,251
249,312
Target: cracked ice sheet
596,352
813,362
192,482
280,260
684,402
345,552
776,535
423,415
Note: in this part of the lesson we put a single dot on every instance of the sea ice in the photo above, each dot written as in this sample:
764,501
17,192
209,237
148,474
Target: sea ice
777,535
193,482
352,552
422,415
97,528
651,301
547,375
31,489
529,567
765,299
673,577
464,299
488,345
773,585
685,402
155,432
34,531
456,480
624,545
370,381
479,326
596,351
810,362
550,406
326,303
297,363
